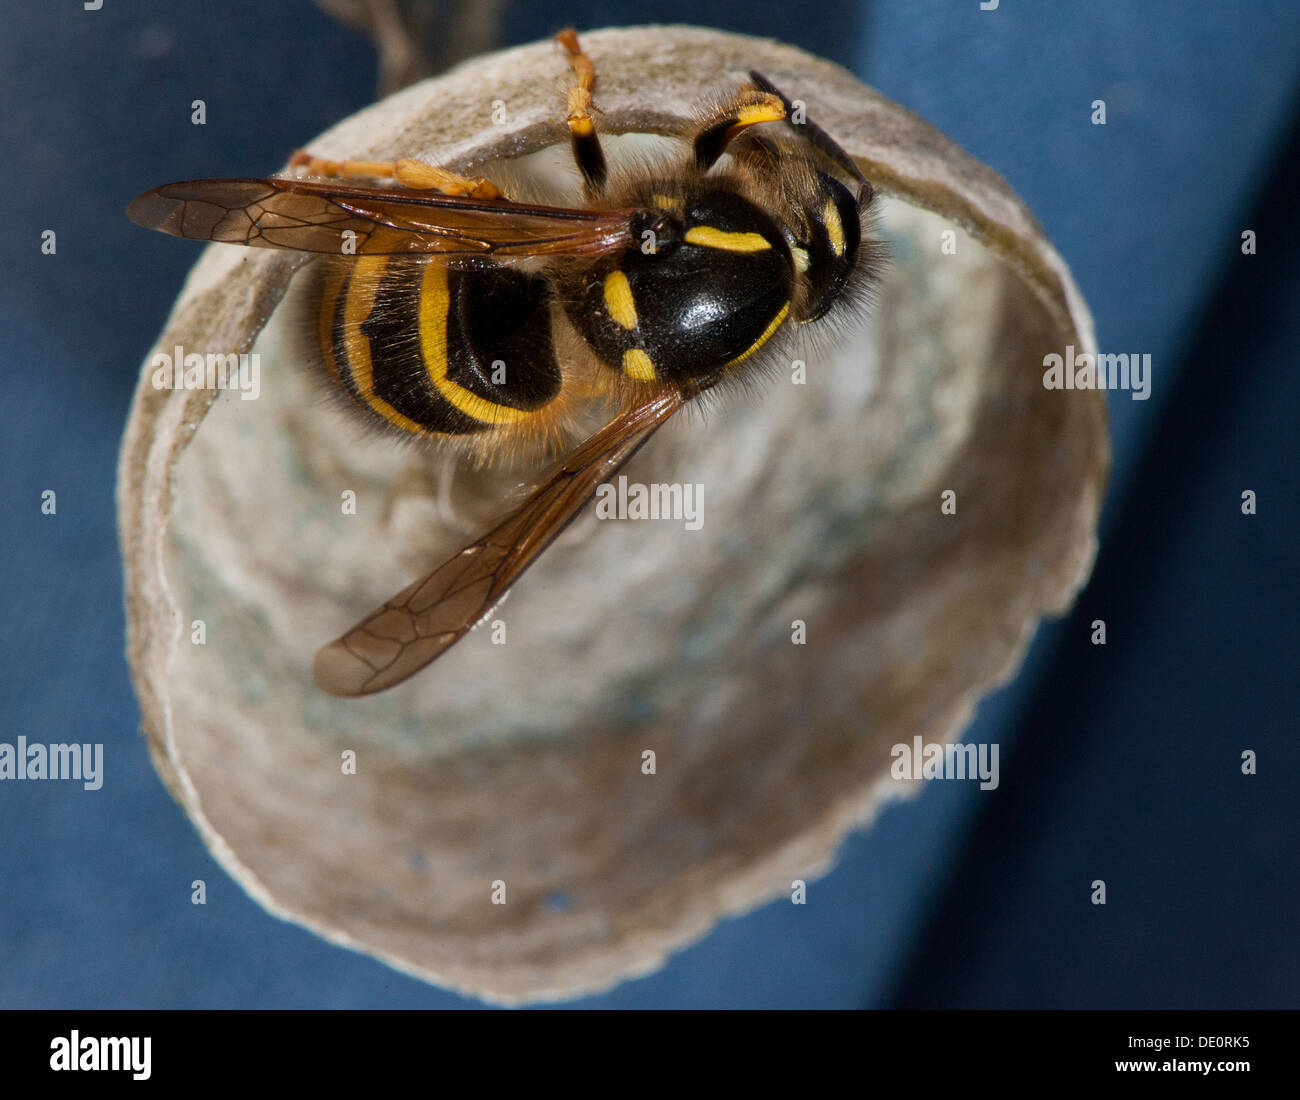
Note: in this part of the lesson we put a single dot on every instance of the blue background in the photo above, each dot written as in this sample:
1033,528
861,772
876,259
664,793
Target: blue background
1119,762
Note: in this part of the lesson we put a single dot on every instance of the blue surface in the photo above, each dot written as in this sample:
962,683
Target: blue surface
1118,763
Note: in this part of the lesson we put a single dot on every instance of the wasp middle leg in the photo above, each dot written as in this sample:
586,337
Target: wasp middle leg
587,152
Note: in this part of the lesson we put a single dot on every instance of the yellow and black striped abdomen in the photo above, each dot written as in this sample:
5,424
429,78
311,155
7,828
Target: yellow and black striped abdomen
434,350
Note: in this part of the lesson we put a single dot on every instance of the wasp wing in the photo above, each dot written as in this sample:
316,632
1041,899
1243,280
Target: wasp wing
427,618
365,221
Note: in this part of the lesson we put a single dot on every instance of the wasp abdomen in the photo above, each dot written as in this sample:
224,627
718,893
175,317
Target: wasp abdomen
435,350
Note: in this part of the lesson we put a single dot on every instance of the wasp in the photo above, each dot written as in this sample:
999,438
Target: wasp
451,312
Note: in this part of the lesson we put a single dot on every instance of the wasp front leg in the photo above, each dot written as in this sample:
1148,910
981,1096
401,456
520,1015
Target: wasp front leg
412,174
748,107
587,152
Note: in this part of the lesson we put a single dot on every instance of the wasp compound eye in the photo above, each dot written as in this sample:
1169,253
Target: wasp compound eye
834,236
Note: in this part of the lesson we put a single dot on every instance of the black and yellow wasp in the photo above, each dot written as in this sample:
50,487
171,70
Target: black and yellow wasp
663,286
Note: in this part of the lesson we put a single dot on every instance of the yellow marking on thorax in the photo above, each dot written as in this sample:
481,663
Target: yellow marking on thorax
834,227
767,335
637,364
434,303
618,299
708,237
366,276
667,202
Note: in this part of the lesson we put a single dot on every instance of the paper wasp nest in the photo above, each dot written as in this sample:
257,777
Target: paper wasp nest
522,763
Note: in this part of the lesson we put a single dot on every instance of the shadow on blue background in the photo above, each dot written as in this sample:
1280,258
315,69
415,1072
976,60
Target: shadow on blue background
1120,763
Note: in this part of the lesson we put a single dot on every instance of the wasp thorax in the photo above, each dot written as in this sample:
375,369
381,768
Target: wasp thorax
706,283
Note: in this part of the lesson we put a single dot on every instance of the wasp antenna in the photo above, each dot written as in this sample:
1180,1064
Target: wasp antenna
819,137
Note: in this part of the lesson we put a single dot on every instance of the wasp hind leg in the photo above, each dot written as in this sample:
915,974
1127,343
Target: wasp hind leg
412,174
587,152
